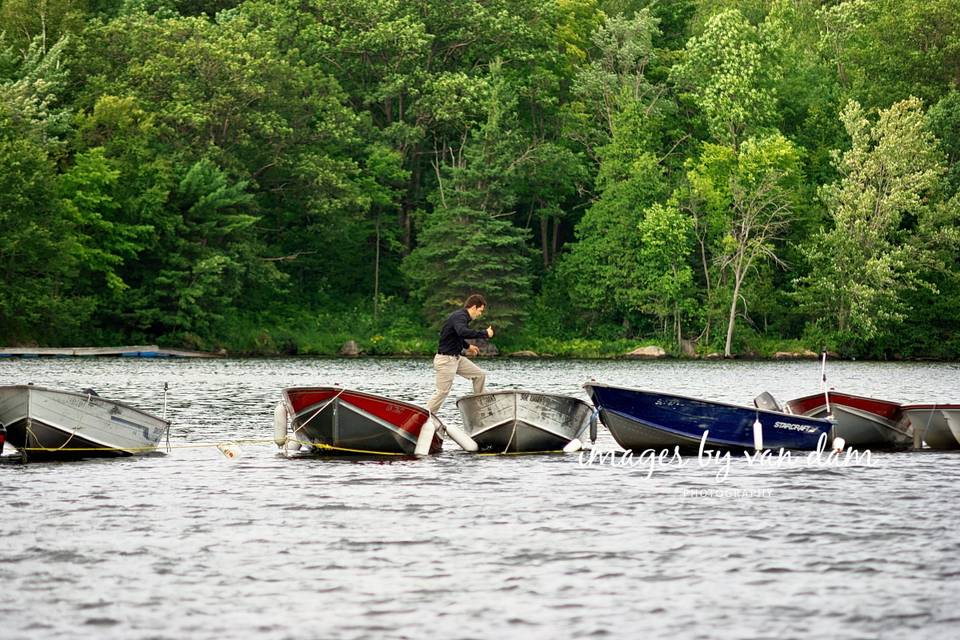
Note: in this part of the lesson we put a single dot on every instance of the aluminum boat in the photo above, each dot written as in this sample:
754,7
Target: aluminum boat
46,424
862,422
517,421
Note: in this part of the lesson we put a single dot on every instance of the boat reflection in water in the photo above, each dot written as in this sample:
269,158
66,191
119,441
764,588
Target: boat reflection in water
517,421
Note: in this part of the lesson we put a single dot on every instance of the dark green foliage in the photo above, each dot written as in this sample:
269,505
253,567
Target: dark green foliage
468,243
280,176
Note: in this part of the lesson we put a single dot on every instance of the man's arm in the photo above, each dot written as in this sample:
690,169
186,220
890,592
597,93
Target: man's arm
464,331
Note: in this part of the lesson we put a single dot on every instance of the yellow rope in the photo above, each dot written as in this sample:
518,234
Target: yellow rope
201,445
198,445
330,447
321,446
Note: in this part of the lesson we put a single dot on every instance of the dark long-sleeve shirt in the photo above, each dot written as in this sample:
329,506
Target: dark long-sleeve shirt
454,332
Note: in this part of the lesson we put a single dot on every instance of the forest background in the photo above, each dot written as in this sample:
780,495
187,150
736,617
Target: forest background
279,176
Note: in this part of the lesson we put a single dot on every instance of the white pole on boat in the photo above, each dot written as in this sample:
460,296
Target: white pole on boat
823,380
164,414
838,442
165,387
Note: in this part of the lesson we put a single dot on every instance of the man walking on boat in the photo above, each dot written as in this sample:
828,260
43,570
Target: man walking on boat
451,359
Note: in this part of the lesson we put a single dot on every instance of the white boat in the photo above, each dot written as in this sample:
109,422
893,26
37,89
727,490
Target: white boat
49,424
936,424
517,421
861,421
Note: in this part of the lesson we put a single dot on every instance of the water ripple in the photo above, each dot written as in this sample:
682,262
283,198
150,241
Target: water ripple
191,544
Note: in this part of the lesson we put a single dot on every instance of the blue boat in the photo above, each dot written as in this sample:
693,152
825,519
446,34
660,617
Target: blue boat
640,420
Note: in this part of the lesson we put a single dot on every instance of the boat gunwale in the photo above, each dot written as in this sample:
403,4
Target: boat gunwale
519,391
952,406
373,396
517,420
119,403
881,421
844,394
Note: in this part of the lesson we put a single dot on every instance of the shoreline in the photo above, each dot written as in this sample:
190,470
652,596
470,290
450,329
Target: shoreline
155,352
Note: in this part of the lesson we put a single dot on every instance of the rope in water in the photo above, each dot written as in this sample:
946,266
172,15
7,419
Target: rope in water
212,445
220,445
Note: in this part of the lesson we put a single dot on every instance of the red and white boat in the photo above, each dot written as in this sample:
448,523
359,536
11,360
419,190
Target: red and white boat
862,422
937,424
334,420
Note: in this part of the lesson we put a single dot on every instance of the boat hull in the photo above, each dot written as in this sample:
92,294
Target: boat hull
639,420
333,420
937,424
522,421
862,422
48,424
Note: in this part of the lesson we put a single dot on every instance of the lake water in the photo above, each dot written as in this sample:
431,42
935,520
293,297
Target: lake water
195,545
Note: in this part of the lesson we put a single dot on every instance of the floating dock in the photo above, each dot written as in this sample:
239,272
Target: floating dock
137,351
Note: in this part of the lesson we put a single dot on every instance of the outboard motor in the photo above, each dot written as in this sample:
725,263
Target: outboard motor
767,402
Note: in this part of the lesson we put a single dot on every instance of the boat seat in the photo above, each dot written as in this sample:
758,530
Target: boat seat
767,401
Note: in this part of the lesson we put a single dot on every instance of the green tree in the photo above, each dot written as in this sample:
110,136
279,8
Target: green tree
741,204
615,80
763,193
809,92
38,293
35,252
731,71
468,243
943,120
604,267
203,258
864,264
40,23
887,50
102,240
666,243
226,92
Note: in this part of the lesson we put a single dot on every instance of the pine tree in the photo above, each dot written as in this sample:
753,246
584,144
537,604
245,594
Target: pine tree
468,242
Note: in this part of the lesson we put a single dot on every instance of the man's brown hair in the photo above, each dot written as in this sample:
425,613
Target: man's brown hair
475,300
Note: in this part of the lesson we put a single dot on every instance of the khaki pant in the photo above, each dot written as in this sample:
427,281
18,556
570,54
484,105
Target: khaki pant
447,368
